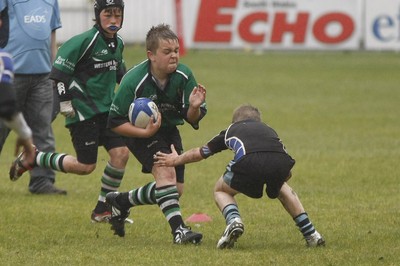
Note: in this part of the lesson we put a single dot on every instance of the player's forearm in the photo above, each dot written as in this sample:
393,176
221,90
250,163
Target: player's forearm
193,114
128,130
189,156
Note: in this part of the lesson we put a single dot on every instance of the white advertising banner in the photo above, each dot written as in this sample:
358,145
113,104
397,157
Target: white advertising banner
254,24
272,24
382,25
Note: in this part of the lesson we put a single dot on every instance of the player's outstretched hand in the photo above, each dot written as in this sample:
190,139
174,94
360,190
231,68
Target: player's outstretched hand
198,96
165,159
29,149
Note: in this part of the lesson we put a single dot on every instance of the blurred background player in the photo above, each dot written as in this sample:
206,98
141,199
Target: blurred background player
32,44
260,159
172,86
8,108
86,70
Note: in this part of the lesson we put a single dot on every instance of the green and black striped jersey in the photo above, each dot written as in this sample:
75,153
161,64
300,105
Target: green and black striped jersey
90,66
172,101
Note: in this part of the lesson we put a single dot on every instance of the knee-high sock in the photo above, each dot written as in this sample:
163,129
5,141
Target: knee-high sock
50,160
167,198
110,180
304,224
144,195
230,212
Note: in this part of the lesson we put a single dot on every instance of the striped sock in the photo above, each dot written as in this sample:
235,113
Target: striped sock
110,180
50,160
230,212
144,195
167,198
304,224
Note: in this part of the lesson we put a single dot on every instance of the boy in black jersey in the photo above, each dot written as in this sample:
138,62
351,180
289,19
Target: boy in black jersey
260,159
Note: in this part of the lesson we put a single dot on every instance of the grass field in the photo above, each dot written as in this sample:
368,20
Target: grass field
339,117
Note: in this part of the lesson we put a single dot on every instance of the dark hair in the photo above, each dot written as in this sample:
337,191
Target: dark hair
157,33
99,5
246,111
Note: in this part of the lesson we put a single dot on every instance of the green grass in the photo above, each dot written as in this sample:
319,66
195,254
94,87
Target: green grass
338,114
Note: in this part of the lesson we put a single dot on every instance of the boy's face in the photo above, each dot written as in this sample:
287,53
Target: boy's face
166,58
110,20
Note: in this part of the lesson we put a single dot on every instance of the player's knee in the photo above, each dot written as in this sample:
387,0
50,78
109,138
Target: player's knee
164,174
86,169
123,152
120,154
218,186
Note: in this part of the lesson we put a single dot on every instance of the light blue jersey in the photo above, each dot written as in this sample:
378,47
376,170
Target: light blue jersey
29,40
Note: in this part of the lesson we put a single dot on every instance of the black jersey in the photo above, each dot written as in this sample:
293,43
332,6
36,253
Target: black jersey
245,137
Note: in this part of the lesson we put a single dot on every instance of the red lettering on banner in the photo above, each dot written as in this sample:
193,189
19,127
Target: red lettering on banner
281,26
319,29
245,27
209,17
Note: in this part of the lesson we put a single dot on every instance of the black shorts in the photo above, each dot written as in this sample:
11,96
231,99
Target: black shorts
90,134
255,170
144,149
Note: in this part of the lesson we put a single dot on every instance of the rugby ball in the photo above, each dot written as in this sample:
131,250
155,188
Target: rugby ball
141,110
